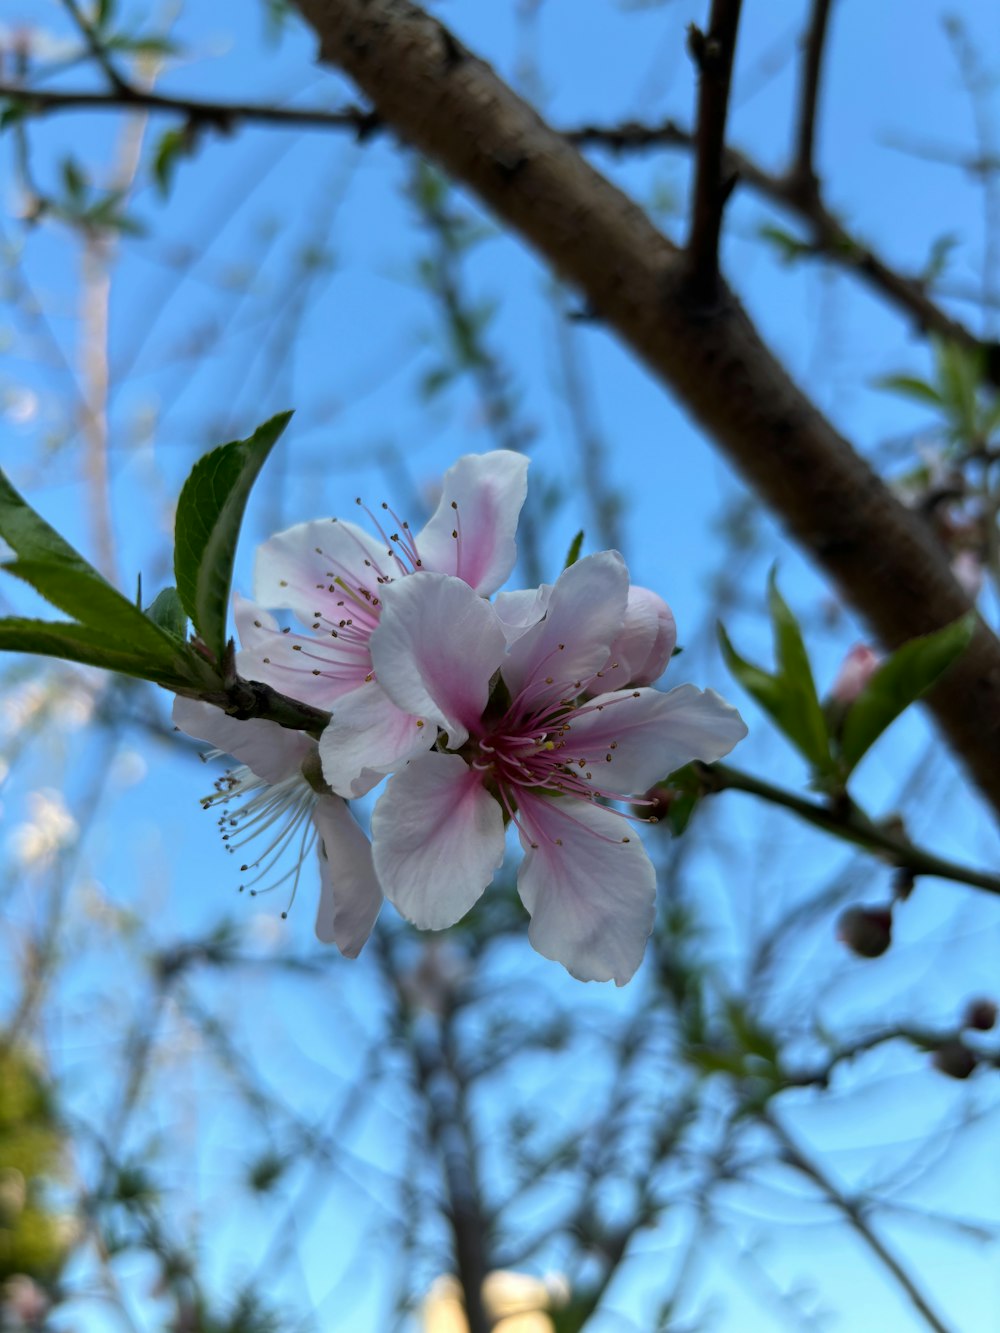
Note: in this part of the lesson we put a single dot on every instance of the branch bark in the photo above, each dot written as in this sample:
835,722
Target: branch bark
452,107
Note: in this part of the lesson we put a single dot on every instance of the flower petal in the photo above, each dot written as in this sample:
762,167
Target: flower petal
271,752
567,648
437,839
640,653
591,894
521,609
297,566
311,668
632,738
488,490
367,737
350,897
436,647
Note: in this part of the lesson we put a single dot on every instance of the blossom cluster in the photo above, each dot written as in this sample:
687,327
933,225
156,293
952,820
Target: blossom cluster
534,711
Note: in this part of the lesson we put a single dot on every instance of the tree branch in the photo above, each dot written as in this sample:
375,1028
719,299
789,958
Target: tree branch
222,116
713,53
854,1212
829,238
850,824
803,166
454,108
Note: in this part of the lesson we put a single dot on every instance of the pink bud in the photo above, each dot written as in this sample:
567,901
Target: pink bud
866,931
644,645
855,672
980,1015
955,1059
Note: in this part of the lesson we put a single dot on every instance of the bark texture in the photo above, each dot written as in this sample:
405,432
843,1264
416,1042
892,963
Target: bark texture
452,107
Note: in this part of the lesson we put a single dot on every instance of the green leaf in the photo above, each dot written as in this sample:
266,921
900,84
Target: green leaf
575,546
74,180
167,612
209,515
172,146
901,679
797,677
93,647
53,568
779,700
908,386
789,247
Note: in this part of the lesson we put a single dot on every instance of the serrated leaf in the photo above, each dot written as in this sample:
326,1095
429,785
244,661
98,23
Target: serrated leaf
168,614
209,516
908,386
575,546
796,675
898,682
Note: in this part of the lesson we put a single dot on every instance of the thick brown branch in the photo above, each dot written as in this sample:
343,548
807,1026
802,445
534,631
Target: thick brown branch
455,109
713,54
803,166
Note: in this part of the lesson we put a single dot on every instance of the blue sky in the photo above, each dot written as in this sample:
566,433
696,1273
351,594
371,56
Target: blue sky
219,324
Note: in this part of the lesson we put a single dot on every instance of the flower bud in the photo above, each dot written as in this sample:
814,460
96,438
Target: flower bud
980,1015
954,1059
855,672
866,931
644,645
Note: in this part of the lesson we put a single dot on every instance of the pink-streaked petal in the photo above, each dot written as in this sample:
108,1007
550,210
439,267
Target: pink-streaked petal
435,649
271,752
632,738
489,490
588,885
295,568
367,737
518,611
315,669
561,653
350,898
437,838
640,653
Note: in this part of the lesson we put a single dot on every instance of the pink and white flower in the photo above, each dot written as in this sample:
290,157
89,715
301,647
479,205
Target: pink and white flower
535,751
333,575
277,797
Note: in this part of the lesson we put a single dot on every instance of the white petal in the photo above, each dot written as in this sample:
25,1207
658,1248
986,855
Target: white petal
271,752
632,738
585,614
315,670
350,897
489,490
640,653
297,567
518,611
592,898
367,737
437,838
435,649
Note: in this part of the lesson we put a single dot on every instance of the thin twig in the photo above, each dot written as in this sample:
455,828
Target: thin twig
713,53
804,166
854,1212
222,116
849,823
